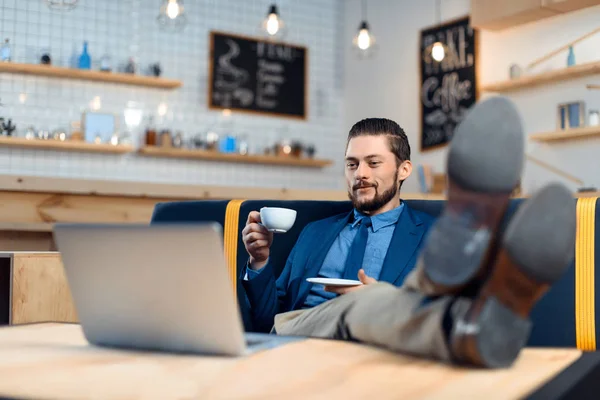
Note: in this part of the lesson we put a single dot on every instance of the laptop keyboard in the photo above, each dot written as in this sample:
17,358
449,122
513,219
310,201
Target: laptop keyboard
253,339
258,341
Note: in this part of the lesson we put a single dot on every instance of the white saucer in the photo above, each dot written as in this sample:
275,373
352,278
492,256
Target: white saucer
335,282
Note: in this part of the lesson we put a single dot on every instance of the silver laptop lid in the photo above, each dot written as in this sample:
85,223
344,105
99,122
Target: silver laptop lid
162,287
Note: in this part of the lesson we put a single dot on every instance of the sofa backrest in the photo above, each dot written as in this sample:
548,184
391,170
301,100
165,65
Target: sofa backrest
564,317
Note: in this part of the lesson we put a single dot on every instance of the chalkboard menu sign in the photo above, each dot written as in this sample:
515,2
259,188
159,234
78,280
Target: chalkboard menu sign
448,88
257,75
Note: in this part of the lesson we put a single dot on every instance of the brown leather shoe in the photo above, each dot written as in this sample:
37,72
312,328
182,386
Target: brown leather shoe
536,250
485,162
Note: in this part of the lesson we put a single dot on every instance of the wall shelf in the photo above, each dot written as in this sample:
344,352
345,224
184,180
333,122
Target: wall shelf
229,157
556,76
89,75
498,15
51,144
570,134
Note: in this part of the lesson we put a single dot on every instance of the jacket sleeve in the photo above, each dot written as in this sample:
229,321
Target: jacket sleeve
266,294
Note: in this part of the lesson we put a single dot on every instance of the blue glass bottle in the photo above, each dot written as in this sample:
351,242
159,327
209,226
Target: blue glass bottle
5,51
228,144
85,61
571,57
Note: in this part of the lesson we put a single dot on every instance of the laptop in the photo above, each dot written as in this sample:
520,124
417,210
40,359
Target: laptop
156,287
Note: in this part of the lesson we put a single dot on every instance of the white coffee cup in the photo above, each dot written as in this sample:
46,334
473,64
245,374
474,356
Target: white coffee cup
277,219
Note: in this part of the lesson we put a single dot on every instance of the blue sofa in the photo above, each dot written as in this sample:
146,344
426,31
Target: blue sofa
564,317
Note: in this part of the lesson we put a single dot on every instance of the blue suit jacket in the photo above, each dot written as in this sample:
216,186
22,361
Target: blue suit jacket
269,296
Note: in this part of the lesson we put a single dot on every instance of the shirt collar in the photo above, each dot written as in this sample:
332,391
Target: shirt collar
380,220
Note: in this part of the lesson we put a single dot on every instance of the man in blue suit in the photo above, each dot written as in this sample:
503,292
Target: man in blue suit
469,299
378,241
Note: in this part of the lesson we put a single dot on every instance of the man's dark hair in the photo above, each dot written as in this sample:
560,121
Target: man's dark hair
381,126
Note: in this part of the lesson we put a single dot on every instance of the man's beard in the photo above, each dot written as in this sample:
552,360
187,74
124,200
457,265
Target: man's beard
379,199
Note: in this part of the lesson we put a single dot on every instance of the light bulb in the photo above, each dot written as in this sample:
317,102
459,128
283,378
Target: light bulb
272,24
364,39
162,109
172,9
437,52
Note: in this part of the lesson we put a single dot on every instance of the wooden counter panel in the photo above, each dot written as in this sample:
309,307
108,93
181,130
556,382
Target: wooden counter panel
37,290
44,208
159,190
66,367
40,290
36,211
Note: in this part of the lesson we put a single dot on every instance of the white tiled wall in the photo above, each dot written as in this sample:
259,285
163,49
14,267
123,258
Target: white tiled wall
125,28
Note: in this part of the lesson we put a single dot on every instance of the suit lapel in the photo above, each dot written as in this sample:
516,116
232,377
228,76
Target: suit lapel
314,262
405,240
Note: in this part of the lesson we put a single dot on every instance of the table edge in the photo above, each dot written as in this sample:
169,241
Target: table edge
576,381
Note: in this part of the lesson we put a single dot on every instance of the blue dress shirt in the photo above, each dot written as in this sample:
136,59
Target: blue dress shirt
380,236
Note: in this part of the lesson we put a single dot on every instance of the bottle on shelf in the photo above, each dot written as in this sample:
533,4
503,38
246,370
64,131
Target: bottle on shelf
243,146
571,57
85,61
150,138
594,118
212,140
30,133
165,138
228,144
76,133
178,139
5,51
105,63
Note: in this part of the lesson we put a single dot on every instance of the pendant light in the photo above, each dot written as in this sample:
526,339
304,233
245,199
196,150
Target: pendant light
172,14
438,50
364,41
273,26
61,5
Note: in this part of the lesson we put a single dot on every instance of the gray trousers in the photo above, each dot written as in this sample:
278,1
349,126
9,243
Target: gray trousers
382,315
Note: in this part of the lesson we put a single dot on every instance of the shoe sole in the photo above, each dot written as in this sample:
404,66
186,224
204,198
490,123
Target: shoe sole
485,162
536,251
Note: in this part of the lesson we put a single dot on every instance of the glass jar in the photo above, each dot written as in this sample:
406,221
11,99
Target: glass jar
594,118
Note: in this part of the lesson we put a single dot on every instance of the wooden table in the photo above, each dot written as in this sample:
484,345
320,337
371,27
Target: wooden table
54,361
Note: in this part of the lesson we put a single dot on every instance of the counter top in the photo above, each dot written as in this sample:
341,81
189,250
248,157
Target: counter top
21,183
34,203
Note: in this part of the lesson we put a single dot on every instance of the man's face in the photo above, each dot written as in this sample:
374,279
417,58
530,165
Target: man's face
372,174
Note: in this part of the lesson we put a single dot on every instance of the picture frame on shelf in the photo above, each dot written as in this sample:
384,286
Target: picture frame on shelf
98,126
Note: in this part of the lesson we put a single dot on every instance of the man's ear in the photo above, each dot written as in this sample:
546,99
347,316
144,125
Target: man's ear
404,170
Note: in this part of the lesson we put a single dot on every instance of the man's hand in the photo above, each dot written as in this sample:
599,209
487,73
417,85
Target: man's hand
364,278
257,240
